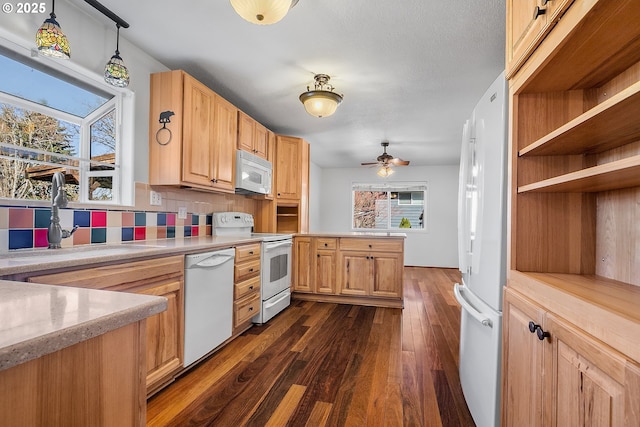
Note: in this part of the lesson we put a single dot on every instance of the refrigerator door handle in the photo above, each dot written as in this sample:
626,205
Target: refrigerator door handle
480,317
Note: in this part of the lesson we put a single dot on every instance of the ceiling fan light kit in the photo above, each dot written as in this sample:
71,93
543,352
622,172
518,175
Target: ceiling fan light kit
322,101
262,12
386,161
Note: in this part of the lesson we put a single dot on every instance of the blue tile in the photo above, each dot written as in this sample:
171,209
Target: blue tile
187,231
82,218
171,232
20,239
127,234
162,218
43,218
141,219
195,219
98,235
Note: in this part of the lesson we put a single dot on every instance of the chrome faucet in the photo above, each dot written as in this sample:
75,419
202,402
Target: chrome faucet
55,234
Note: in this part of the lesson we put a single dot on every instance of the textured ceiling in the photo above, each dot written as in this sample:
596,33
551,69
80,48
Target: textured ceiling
410,71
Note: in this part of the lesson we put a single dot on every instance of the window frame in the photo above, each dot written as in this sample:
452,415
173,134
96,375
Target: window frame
391,187
123,104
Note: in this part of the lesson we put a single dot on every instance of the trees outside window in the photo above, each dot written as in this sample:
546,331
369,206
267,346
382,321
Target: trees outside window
51,123
389,206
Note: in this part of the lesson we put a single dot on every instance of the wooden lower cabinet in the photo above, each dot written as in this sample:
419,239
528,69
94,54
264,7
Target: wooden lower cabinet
246,295
353,270
568,378
96,382
164,331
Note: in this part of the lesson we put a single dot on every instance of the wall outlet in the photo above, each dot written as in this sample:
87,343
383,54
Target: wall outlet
182,213
155,198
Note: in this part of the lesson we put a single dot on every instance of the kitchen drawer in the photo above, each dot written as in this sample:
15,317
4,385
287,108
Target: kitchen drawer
326,243
380,245
247,269
247,252
246,308
246,287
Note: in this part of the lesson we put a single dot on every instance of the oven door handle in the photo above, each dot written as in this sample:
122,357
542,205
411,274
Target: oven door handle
269,246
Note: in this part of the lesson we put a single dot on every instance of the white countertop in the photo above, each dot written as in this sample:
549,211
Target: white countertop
36,320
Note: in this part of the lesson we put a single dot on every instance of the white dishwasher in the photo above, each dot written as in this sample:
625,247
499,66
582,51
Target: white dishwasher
208,302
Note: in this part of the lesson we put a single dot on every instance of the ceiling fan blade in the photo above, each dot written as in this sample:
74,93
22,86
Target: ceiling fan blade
369,163
399,162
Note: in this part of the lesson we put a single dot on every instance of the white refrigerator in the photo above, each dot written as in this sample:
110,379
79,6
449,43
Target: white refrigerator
482,252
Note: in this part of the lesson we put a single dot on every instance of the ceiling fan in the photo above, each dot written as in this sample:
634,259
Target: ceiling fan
386,160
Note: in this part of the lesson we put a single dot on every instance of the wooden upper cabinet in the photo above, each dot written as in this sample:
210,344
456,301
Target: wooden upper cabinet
288,167
252,136
528,21
199,103
197,148
224,160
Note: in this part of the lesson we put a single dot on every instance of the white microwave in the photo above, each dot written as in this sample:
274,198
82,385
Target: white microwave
253,174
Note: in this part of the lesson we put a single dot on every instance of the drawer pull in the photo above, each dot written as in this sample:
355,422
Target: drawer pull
251,287
326,244
250,308
251,270
370,246
250,252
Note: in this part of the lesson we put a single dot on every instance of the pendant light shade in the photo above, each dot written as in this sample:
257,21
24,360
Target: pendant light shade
262,12
115,72
50,39
385,171
322,101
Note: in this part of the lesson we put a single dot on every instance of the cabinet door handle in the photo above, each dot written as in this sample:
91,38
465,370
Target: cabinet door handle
250,308
370,246
326,244
544,2
542,334
250,252
318,255
251,270
538,11
537,329
251,287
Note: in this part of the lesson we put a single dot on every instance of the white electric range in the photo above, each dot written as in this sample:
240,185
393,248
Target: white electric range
275,260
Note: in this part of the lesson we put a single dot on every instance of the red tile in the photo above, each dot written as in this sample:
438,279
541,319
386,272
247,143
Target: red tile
162,233
140,233
20,218
40,238
171,219
99,219
128,219
194,230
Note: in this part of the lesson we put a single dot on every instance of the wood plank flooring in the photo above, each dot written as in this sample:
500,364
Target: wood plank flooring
318,364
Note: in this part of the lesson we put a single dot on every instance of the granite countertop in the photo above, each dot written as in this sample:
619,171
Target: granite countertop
363,234
31,260
36,320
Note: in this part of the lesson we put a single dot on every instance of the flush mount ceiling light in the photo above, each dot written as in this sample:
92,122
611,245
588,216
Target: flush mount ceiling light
115,72
322,101
50,39
262,12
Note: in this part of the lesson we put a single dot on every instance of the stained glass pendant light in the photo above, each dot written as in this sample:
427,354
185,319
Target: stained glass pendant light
50,39
262,12
115,72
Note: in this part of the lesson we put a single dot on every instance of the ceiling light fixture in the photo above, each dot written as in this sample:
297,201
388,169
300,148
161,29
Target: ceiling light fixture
262,12
385,171
115,72
50,39
322,101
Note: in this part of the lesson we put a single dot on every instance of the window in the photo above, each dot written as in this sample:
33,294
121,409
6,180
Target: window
389,206
52,121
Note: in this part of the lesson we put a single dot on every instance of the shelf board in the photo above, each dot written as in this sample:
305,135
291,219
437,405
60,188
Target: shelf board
591,43
612,123
291,214
615,175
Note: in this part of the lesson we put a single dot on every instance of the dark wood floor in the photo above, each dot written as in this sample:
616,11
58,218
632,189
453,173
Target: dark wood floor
319,364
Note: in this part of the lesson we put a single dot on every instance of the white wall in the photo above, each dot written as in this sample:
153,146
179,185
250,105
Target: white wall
435,247
315,192
92,43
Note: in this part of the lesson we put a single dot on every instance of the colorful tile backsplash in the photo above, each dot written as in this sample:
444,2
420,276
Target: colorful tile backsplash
25,227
